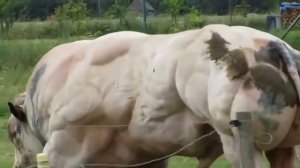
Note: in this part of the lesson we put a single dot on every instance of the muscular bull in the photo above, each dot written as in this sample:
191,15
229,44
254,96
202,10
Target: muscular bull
129,97
96,127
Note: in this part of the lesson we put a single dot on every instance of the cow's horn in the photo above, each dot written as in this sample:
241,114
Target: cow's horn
17,111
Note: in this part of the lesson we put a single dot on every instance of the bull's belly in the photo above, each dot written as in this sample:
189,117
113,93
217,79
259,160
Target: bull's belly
167,134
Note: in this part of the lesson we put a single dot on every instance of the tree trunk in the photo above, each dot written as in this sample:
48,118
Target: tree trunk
1,26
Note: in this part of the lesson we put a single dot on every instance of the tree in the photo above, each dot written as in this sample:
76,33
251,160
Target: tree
9,12
74,11
174,7
119,9
214,7
272,4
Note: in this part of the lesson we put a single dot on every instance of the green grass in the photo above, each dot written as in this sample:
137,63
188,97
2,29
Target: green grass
95,27
187,162
6,149
255,21
293,38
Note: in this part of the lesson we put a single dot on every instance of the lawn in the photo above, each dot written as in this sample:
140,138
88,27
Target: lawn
6,148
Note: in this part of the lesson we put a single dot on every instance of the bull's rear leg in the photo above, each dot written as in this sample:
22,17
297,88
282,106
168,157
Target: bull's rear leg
281,157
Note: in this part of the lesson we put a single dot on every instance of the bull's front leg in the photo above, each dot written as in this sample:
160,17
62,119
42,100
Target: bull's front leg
61,150
74,148
281,157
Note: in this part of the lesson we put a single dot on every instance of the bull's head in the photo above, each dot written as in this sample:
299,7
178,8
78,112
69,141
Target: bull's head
26,144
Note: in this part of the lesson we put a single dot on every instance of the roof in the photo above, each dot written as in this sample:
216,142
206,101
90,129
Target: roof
138,5
288,5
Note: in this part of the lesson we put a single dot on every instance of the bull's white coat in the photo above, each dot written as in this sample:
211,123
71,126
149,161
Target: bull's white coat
162,85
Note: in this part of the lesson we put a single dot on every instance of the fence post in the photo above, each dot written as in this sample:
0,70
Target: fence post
145,14
42,160
246,139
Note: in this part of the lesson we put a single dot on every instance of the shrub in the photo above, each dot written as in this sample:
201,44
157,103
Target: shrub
160,24
155,25
193,19
71,13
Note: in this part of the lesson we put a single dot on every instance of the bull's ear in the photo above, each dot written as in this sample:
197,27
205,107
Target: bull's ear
18,112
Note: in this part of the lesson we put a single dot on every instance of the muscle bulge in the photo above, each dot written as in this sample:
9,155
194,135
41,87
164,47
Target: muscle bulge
158,107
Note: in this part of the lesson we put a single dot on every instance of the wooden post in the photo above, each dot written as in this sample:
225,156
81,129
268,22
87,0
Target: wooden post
246,139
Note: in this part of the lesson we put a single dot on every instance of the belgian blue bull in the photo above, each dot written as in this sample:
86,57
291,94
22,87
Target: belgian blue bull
129,97
101,134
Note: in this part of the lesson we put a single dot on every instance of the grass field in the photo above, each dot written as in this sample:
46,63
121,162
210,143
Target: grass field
17,58
158,24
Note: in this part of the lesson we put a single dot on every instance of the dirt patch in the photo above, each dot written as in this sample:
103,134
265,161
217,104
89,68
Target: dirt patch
217,47
235,60
268,55
237,64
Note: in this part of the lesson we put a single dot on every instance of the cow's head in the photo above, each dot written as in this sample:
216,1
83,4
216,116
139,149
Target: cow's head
20,134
